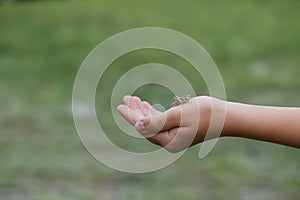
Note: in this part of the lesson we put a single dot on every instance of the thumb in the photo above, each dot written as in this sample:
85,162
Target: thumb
160,122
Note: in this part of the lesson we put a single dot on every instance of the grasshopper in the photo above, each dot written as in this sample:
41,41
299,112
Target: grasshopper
181,99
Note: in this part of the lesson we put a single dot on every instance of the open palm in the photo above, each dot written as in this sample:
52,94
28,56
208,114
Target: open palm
161,127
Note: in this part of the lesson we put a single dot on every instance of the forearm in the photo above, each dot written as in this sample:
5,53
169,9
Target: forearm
273,124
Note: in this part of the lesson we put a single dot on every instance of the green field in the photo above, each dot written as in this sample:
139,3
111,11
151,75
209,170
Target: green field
255,45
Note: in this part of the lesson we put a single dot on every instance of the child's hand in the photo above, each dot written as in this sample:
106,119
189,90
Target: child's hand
175,129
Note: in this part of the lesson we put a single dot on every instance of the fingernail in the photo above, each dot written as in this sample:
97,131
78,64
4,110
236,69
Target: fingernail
139,126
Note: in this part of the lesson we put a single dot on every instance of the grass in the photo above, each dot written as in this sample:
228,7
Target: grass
42,44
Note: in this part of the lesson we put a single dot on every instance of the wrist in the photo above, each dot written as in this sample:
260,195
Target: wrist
228,127
213,122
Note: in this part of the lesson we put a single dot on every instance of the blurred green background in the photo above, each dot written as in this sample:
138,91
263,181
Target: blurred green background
255,44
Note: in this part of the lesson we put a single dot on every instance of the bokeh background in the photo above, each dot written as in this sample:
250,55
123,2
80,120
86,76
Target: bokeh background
255,44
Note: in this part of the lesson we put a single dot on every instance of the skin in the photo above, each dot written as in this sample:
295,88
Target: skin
185,125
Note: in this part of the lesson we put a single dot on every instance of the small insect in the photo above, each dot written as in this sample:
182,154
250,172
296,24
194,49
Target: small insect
181,100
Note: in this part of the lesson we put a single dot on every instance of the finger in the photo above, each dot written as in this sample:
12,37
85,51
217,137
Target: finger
152,110
134,102
131,101
173,140
130,115
163,121
162,138
147,105
135,105
126,100
144,109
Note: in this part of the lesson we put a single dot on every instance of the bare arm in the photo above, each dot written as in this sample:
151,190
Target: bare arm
272,124
173,128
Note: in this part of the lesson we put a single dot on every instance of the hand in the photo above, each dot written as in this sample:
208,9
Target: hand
175,129
185,125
